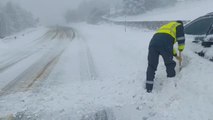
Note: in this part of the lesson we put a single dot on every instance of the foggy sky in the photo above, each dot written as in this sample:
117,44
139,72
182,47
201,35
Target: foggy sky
49,11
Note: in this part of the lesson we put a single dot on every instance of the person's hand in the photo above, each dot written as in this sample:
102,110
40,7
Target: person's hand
178,58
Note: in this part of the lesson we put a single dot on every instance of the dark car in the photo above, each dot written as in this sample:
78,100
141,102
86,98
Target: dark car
202,30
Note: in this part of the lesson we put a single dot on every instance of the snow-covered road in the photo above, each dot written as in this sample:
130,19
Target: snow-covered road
31,62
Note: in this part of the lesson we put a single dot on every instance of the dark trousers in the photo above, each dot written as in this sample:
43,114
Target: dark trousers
159,46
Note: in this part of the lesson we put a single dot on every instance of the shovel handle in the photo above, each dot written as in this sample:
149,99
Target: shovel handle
180,60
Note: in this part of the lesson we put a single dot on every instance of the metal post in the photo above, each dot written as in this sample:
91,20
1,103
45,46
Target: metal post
125,23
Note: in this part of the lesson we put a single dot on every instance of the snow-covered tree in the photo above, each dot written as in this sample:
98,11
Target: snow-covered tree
152,4
14,19
3,25
94,10
90,10
133,7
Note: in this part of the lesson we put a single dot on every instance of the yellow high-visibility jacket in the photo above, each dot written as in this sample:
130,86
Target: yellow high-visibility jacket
177,34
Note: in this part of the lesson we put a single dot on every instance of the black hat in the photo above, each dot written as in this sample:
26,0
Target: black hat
179,21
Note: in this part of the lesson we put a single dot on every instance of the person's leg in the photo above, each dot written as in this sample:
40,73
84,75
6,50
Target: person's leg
153,58
169,62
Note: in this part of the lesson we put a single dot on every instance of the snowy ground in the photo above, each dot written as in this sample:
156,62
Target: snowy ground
102,69
105,68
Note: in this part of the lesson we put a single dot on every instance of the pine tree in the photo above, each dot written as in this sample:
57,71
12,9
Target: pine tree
152,4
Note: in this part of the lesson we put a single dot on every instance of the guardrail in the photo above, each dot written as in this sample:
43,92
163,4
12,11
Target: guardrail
152,25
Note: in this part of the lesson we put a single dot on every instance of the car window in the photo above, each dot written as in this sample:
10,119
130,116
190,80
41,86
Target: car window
199,26
211,31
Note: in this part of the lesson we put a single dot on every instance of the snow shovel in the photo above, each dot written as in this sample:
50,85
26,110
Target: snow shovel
180,61
180,65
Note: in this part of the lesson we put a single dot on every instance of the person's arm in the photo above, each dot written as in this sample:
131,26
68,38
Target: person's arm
180,38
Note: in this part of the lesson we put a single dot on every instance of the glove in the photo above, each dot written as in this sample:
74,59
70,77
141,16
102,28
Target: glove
180,50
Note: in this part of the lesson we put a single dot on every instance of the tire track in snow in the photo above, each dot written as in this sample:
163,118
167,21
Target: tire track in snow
39,70
87,65
18,56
